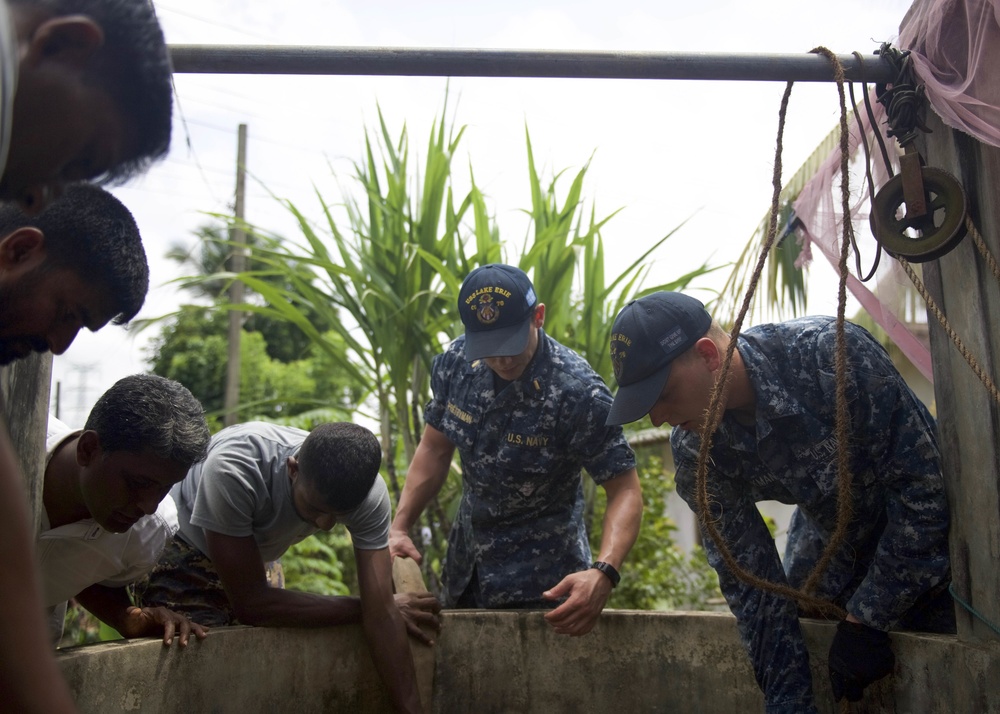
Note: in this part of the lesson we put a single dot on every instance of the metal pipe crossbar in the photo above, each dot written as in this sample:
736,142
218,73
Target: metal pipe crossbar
449,62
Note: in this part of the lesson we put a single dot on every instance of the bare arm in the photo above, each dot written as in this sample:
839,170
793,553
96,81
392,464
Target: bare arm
622,518
112,605
30,680
241,570
385,630
587,592
424,478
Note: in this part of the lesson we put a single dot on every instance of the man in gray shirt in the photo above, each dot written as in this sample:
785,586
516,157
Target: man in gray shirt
263,488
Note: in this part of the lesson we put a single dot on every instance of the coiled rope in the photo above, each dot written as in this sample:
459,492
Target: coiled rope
804,596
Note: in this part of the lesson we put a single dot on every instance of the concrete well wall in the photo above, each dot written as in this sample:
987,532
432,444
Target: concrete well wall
508,662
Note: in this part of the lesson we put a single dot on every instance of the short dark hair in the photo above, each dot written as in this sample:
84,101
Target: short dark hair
341,460
90,232
147,413
133,67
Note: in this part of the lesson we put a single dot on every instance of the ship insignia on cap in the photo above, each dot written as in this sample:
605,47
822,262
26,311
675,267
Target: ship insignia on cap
487,309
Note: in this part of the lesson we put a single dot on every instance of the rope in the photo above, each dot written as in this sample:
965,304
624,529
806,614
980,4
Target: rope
868,167
843,417
971,609
716,407
981,245
904,100
956,340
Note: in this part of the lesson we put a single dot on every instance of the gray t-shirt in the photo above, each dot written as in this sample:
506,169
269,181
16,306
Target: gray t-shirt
243,488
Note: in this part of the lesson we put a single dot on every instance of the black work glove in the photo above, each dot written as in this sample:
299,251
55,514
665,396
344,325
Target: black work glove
859,656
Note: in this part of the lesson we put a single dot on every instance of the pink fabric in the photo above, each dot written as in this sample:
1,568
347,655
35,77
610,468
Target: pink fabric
955,46
818,207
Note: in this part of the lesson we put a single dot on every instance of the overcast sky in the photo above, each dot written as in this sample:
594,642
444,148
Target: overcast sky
663,151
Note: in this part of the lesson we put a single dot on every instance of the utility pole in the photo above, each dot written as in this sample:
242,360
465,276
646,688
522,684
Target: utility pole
83,385
237,235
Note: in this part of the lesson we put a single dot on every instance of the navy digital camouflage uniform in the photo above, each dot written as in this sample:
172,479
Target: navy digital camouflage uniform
896,550
520,526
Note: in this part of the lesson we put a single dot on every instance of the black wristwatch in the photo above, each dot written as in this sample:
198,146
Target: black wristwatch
610,571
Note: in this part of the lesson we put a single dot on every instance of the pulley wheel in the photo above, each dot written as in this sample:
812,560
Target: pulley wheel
926,237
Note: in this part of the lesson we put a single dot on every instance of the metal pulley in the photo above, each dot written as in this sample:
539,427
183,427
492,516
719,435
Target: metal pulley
920,213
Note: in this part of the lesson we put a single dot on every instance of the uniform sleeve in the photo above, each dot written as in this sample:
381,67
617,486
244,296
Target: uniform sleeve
605,450
227,494
900,451
768,624
440,371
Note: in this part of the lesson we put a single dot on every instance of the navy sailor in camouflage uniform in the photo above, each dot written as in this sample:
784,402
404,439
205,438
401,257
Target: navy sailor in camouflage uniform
526,414
777,441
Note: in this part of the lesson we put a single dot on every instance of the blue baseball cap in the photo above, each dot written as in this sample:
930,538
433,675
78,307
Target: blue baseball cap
648,335
496,303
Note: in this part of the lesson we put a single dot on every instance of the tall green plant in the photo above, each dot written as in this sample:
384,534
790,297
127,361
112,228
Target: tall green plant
387,266
565,257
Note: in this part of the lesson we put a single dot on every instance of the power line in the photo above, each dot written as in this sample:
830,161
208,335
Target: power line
257,139
214,23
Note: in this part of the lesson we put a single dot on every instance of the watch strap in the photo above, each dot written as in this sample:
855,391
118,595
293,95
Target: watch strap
613,575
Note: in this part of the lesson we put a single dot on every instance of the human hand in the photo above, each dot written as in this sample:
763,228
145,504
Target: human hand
419,610
401,544
859,656
151,619
586,593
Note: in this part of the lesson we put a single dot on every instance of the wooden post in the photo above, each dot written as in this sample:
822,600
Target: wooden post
25,384
968,418
407,578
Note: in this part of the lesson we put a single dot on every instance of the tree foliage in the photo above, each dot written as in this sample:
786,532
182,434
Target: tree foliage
192,349
207,261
